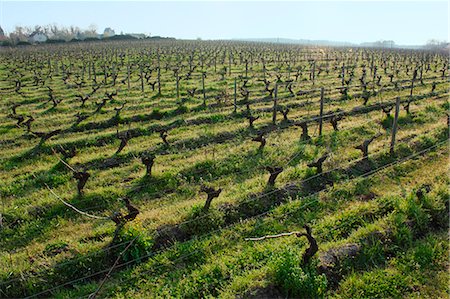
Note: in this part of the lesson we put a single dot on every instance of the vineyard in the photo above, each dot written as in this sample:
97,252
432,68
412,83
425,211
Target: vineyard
196,169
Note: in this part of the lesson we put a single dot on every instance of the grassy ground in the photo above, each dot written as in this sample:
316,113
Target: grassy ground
178,250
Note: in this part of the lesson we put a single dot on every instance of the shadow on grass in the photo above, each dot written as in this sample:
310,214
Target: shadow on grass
39,221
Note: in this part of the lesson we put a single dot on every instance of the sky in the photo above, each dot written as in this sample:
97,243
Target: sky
405,22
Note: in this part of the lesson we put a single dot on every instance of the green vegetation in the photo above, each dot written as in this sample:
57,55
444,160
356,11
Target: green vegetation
130,171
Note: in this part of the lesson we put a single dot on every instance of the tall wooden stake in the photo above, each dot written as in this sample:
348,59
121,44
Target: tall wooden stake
274,115
128,79
203,88
229,64
394,125
105,72
321,111
178,87
142,79
235,95
313,72
159,75
89,71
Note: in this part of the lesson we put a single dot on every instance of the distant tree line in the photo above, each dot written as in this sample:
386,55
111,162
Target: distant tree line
52,33
435,44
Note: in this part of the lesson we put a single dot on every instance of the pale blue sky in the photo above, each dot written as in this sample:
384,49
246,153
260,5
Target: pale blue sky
407,23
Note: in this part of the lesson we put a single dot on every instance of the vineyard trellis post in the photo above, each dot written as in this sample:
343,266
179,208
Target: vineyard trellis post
2,212
371,65
412,89
229,64
264,68
246,68
105,73
178,86
313,72
128,77
89,70
274,115
142,78
114,74
394,125
235,96
83,70
203,89
159,74
321,111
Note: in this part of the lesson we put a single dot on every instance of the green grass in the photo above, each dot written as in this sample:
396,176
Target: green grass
179,250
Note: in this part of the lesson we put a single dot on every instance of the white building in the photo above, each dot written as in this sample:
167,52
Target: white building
109,32
37,37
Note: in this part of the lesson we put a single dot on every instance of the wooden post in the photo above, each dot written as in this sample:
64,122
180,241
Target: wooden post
394,125
235,95
159,75
1,213
105,72
421,73
203,88
128,79
274,115
371,66
246,68
321,111
114,74
178,87
90,70
142,79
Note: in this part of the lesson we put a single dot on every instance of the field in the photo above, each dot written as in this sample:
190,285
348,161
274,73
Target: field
154,169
